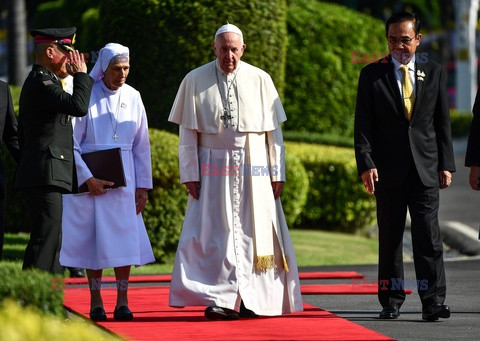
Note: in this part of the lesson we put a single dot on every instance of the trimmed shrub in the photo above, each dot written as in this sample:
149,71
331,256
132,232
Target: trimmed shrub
25,324
336,197
318,138
328,45
34,288
296,189
165,209
168,38
460,122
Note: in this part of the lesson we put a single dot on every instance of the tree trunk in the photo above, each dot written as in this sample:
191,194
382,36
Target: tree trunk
17,42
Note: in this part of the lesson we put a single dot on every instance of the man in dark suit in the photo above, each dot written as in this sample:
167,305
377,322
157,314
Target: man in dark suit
472,156
404,155
8,129
47,168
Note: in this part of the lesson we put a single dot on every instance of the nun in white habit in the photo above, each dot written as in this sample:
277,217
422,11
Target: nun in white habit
104,228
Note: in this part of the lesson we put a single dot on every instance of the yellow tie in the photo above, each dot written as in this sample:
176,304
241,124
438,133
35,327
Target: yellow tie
64,83
408,95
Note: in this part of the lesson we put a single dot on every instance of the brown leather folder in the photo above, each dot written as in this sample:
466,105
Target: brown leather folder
105,165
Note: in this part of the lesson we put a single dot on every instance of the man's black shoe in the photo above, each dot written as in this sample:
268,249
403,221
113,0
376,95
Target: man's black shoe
435,312
98,314
76,272
217,313
244,312
390,313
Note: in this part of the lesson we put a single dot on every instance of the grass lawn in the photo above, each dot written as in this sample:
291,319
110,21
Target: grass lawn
312,248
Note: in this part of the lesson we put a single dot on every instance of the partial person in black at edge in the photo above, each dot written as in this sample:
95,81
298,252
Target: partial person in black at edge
8,131
47,168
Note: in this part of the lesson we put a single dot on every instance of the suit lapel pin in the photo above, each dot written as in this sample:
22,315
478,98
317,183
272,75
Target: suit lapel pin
420,75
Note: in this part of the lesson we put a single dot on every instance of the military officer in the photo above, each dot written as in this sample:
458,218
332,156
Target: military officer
47,169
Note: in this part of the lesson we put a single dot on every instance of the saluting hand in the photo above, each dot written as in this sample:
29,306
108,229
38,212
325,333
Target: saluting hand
76,62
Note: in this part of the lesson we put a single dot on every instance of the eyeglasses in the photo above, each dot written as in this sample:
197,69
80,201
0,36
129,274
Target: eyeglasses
403,40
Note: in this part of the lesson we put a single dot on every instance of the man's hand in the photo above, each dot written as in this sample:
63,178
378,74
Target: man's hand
277,187
76,63
193,189
96,186
369,177
445,178
140,199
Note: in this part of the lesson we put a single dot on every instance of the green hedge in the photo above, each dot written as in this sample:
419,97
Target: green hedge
460,122
318,138
336,198
166,204
321,73
168,38
26,324
296,189
33,288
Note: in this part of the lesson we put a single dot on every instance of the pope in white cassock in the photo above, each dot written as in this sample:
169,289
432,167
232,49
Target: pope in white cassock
235,255
104,228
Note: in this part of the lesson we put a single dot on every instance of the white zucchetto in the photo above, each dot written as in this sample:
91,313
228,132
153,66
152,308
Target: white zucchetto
229,28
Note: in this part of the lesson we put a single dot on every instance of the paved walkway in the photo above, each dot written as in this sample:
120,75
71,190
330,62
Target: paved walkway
463,298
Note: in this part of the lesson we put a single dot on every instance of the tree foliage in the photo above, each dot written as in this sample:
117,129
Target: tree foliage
328,46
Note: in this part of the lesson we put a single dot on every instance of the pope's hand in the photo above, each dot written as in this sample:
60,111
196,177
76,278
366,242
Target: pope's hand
193,189
277,187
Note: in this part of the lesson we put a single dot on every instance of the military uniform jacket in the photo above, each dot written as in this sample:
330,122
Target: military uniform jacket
45,129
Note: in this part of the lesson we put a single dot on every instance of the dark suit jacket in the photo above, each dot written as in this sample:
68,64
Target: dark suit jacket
472,157
45,129
386,140
8,129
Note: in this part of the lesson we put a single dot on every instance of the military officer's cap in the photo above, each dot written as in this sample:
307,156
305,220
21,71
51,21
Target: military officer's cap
64,37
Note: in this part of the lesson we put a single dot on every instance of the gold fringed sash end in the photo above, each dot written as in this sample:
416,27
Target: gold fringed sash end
285,264
263,263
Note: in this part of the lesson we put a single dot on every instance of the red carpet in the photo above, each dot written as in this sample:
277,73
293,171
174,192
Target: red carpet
167,278
155,320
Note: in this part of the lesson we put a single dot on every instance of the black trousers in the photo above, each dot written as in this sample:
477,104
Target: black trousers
44,206
422,203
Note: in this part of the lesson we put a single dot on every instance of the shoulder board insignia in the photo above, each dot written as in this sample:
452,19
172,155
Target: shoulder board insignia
48,82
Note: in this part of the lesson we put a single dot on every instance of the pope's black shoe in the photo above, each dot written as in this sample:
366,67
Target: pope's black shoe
390,313
218,313
122,314
98,314
244,312
436,311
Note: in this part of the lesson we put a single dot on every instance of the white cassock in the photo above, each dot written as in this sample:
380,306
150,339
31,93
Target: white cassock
104,231
236,222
